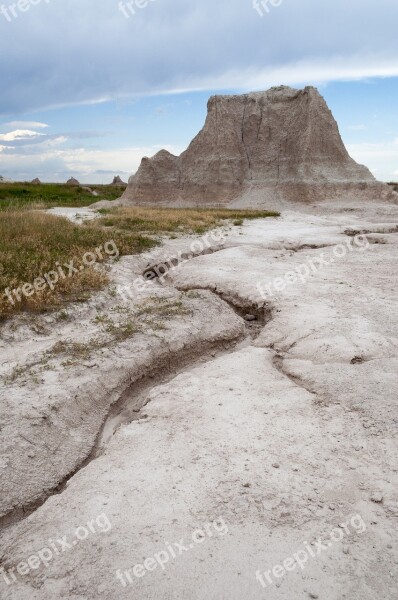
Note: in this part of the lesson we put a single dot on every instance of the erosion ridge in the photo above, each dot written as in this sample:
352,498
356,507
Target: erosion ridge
162,365
257,150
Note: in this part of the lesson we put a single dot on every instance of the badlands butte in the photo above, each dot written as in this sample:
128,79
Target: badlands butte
245,447
257,150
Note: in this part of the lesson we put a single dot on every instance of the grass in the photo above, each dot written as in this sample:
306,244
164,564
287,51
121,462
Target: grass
172,220
84,351
151,316
162,307
33,243
19,195
112,332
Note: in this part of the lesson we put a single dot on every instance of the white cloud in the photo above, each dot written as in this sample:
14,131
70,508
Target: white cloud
89,166
56,141
126,160
19,135
380,158
297,73
176,45
26,124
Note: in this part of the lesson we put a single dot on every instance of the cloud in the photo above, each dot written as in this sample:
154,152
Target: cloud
174,45
381,158
24,141
26,124
110,172
88,165
19,135
298,73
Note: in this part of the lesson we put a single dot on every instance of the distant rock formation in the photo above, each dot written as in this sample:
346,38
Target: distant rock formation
36,181
72,181
118,181
5,180
256,150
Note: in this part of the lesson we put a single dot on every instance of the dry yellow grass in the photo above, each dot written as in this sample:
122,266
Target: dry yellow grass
33,243
171,220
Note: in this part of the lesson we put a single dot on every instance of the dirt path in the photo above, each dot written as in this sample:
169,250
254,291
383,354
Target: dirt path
265,468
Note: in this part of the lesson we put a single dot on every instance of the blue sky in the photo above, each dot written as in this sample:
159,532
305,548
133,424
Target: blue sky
87,92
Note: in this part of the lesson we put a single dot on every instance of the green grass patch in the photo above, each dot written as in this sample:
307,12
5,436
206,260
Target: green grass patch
48,195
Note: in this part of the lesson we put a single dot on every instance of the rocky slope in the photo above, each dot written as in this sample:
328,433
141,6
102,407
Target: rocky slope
256,149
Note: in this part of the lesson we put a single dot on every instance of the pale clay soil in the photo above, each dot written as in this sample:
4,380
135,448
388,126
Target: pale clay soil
267,435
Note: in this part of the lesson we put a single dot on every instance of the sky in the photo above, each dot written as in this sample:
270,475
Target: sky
89,87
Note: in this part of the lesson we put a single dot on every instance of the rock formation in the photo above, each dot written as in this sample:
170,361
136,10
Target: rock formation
118,181
255,150
72,181
36,181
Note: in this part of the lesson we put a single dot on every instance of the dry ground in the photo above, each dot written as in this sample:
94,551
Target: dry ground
275,438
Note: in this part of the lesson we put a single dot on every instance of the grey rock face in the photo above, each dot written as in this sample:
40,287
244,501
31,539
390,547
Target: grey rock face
281,144
72,181
118,181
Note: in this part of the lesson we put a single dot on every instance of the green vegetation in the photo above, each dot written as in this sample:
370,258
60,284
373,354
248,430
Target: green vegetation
47,195
33,243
